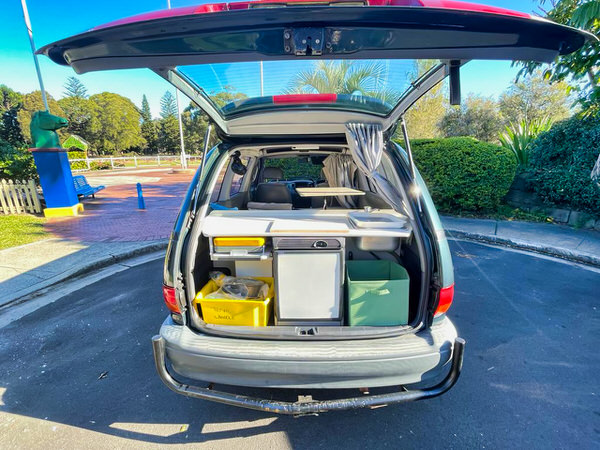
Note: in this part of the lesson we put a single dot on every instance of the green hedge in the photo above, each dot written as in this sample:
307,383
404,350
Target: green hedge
562,160
296,167
75,154
464,174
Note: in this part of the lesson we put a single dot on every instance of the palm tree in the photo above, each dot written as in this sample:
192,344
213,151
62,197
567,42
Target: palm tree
345,77
586,14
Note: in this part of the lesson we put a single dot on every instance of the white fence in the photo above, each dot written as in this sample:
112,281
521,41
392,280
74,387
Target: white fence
130,162
19,197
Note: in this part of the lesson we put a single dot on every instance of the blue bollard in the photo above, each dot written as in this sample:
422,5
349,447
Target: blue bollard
141,203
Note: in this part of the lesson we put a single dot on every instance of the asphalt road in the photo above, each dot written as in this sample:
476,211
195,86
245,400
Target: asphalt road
79,373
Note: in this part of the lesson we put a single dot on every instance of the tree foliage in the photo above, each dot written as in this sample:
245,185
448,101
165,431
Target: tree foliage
195,122
168,105
33,102
478,117
10,128
75,88
145,111
344,77
82,114
424,117
9,99
580,69
148,127
534,98
168,135
118,122
227,95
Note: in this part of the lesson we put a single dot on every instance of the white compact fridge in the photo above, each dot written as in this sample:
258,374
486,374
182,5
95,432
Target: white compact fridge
309,281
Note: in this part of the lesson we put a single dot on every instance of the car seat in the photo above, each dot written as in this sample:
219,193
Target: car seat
271,194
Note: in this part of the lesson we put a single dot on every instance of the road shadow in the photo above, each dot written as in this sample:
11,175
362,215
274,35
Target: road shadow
86,361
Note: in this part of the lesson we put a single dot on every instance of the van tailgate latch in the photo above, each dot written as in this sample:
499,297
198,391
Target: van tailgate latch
303,41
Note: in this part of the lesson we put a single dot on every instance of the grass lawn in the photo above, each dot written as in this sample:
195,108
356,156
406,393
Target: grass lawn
21,229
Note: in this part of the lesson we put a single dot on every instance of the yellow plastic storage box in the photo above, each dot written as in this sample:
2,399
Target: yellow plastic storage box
232,244
250,313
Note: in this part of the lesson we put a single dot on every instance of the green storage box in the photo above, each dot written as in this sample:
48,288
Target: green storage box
377,293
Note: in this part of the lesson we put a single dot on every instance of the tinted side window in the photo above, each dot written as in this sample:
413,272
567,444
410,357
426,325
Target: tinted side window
217,190
237,180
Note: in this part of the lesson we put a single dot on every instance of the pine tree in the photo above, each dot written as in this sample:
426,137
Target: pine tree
10,128
75,88
148,128
168,105
145,112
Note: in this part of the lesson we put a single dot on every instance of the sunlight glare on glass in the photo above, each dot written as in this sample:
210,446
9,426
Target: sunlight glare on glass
355,82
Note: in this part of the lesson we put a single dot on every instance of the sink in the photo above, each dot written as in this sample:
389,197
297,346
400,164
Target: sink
365,219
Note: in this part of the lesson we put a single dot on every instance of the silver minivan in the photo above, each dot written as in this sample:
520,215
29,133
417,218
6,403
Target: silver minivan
308,190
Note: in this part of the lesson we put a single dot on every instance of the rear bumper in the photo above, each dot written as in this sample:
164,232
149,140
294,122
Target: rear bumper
403,360
421,359
307,406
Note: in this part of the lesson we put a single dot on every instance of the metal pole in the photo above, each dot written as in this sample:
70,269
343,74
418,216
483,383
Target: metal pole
206,140
35,60
262,90
415,190
181,142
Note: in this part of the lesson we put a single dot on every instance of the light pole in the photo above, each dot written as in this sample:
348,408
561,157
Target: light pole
183,158
35,60
181,142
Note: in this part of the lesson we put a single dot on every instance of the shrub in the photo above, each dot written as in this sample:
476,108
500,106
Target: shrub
100,165
563,159
518,137
75,154
464,174
16,163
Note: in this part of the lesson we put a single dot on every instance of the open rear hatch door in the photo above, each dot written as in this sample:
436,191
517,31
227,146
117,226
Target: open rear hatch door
271,30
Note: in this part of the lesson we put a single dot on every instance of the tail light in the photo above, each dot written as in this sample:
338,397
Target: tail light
223,7
170,300
445,300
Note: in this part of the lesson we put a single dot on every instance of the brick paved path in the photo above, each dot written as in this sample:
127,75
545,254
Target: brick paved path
114,216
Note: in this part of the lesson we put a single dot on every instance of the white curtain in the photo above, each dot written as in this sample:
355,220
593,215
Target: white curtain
365,141
339,170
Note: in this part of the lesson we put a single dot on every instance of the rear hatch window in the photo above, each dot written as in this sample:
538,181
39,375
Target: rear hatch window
371,86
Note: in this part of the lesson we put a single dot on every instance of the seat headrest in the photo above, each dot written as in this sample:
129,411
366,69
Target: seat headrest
272,193
272,173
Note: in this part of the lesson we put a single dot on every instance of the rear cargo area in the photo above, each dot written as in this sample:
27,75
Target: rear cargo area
334,259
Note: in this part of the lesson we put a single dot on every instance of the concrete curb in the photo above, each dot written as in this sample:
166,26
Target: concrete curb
557,252
116,258
92,265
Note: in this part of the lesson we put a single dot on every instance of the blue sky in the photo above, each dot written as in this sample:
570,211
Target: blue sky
55,20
